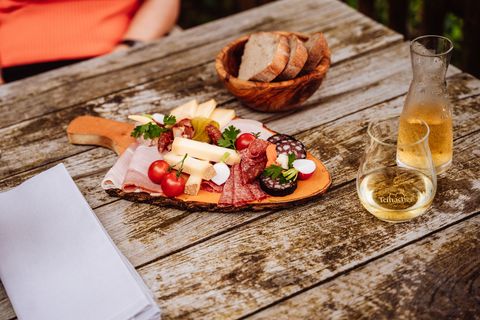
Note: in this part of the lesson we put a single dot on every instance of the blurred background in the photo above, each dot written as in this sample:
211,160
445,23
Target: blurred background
458,20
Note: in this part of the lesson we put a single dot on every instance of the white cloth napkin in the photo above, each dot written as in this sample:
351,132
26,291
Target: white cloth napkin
58,262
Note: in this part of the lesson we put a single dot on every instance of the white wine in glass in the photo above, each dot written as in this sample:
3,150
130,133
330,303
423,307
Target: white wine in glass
388,190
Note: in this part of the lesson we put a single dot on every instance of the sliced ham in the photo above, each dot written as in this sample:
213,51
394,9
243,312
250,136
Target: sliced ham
115,176
136,177
251,126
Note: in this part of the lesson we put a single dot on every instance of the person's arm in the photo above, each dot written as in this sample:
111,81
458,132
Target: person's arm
153,19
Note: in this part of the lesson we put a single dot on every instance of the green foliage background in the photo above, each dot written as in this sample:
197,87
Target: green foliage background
452,27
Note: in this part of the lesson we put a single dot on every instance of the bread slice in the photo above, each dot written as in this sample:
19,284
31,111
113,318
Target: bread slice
315,46
265,56
298,58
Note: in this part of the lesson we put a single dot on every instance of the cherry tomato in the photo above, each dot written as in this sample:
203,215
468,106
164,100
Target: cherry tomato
304,176
244,140
172,185
157,171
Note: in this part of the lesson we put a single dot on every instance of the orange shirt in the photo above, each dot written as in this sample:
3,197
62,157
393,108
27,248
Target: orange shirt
33,31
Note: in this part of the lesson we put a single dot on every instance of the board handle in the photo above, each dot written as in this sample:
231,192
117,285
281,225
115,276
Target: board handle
90,130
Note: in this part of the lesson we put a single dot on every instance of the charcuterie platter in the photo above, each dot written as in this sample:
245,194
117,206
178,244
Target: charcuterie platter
200,157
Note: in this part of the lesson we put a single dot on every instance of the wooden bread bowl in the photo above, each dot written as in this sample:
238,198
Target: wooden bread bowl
268,96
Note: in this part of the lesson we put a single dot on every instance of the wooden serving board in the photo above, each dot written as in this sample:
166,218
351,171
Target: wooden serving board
89,130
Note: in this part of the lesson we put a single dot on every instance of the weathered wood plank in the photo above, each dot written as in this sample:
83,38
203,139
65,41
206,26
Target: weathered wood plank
343,93
142,236
242,22
88,182
43,138
253,266
436,278
144,233
6,309
46,127
79,91
386,82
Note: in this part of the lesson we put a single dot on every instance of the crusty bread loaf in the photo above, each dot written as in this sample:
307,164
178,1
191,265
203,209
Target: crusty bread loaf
298,58
315,46
265,56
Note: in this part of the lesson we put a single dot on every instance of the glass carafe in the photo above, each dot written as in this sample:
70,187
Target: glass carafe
388,190
427,100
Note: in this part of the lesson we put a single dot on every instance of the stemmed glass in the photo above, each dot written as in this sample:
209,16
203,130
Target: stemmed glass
388,189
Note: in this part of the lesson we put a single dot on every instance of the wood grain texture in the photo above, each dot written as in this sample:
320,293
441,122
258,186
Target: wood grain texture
20,101
225,265
385,82
145,232
107,133
253,266
142,220
144,223
198,82
47,132
436,278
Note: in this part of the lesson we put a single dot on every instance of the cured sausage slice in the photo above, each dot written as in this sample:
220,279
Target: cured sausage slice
279,137
291,146
275,187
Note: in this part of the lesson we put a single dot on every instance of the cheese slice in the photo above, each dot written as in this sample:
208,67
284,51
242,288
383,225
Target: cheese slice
140,119
205,109
192,186
204,151
191,165
187,110
222,116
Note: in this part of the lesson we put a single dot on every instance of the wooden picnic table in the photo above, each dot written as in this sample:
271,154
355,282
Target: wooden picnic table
326,259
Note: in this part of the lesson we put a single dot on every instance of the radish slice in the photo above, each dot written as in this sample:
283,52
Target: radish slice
158,118
223,172
304,166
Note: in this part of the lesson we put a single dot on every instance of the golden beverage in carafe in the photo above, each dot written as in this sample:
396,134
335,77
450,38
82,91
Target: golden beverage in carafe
427,100
440,139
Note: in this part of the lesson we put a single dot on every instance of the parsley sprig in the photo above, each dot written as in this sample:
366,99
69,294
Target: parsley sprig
274,171
277,172
229,136
152,130
148,131
169,120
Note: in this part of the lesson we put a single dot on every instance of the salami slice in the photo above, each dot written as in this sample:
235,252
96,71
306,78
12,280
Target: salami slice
226,198
276,188
254,160
257,191
211,186
279,137
291,146
242,193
